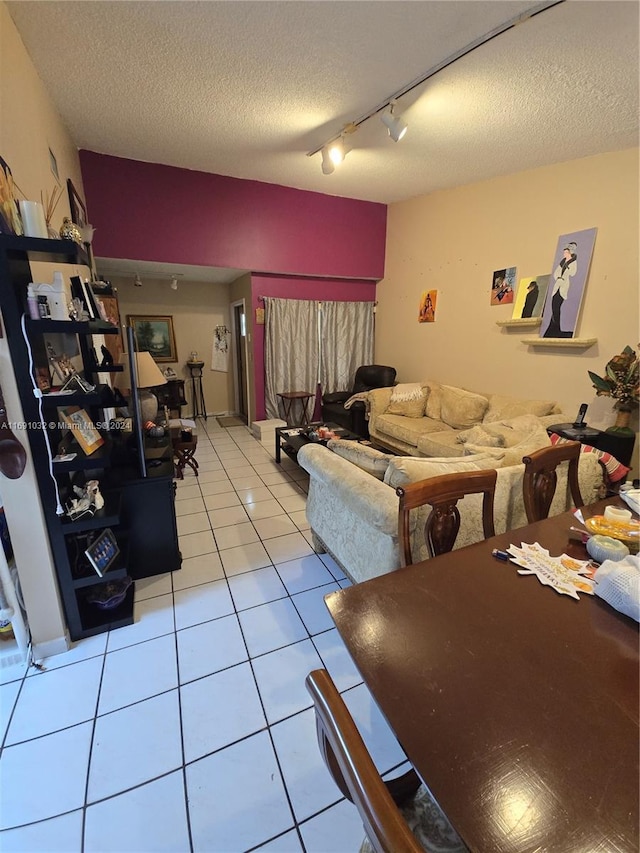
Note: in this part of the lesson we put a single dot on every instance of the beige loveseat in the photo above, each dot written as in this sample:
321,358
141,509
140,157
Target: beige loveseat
434,428
352,506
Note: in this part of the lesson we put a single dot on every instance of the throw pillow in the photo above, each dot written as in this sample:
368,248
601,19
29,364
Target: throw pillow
408,399
434,399
411,469
461,409
502,407
615,469
372,461
478,435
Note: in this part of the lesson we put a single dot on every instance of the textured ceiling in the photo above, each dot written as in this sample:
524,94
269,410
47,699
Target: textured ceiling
248,88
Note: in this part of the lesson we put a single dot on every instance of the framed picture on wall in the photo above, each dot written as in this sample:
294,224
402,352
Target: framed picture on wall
154,334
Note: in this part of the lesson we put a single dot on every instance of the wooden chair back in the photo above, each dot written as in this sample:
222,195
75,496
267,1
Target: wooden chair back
443,523
355,774
541,478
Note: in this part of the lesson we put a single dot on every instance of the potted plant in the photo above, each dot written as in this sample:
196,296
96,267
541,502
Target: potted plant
620,382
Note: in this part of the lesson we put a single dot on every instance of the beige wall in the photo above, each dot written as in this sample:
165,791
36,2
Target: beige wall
29,124
453,240
197,307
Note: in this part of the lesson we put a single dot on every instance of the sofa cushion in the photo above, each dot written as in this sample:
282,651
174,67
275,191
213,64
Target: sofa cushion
372,461
408,399
479,435
404,429
410,469
461,409
502,407
443,442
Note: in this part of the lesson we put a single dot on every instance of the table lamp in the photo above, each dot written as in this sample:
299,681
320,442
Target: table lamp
149,375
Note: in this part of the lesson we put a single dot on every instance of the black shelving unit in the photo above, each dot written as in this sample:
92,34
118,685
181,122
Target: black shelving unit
66,536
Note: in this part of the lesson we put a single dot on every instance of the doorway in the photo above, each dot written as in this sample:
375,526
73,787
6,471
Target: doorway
240,360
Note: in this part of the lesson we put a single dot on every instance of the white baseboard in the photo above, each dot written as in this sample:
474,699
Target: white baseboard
50,648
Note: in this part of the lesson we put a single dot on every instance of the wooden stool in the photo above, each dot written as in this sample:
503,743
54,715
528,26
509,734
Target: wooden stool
184,452
288,398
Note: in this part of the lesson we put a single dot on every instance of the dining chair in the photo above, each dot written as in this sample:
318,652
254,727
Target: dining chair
540,478
443,522
399,815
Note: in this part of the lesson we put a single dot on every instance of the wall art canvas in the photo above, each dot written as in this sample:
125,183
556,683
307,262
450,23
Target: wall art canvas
154,334
503,286
566,288
428,300
530,297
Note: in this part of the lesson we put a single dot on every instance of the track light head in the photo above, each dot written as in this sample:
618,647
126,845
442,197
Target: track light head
174,283
137,281
337,151
328,166
396,127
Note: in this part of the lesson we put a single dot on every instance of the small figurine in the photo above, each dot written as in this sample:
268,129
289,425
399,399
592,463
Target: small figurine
70,231
107,358
89,500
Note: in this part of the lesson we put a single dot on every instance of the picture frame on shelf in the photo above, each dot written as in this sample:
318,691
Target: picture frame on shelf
154,334
76,205
82,290
82,429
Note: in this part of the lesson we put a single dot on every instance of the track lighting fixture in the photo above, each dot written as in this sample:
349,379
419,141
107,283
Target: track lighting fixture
333,152
396,127
174,283
137,281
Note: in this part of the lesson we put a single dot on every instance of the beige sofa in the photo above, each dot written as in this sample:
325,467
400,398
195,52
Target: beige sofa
352,506
447,411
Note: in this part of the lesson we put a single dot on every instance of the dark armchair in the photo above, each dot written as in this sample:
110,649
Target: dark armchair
367,377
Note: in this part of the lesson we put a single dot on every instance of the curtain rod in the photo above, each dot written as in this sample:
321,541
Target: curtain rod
262,298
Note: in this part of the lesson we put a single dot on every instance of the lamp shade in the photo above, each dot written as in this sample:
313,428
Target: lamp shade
149,374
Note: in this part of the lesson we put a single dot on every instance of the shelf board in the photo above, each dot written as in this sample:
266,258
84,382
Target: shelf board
76,398
101,458
519,323
108,516
67,250
94,578
566,343
71,327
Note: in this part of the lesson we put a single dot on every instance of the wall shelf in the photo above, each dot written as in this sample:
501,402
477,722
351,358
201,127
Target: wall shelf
519,323
567,343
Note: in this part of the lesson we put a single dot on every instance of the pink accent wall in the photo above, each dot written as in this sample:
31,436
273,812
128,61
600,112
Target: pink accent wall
152,212
297,288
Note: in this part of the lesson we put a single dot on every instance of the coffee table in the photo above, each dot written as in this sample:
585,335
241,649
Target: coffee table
289,440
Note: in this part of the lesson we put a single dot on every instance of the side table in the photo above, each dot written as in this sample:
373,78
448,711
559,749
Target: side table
619,446
288,399
184,451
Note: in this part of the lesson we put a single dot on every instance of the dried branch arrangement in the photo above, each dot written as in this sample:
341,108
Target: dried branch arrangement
50,202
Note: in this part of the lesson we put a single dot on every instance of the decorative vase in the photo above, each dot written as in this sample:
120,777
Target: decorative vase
621,426
70,231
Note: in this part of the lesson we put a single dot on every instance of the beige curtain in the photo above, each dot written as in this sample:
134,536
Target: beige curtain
291,359
346,343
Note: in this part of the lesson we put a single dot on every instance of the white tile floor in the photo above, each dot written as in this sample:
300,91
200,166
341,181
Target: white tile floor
192,729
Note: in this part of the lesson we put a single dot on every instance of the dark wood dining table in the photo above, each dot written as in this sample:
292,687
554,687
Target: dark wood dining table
517,706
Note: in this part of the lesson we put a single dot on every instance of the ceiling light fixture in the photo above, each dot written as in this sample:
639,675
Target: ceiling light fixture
395,125
137,281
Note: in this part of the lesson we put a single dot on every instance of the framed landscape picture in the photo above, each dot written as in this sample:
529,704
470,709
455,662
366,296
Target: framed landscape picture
155,335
